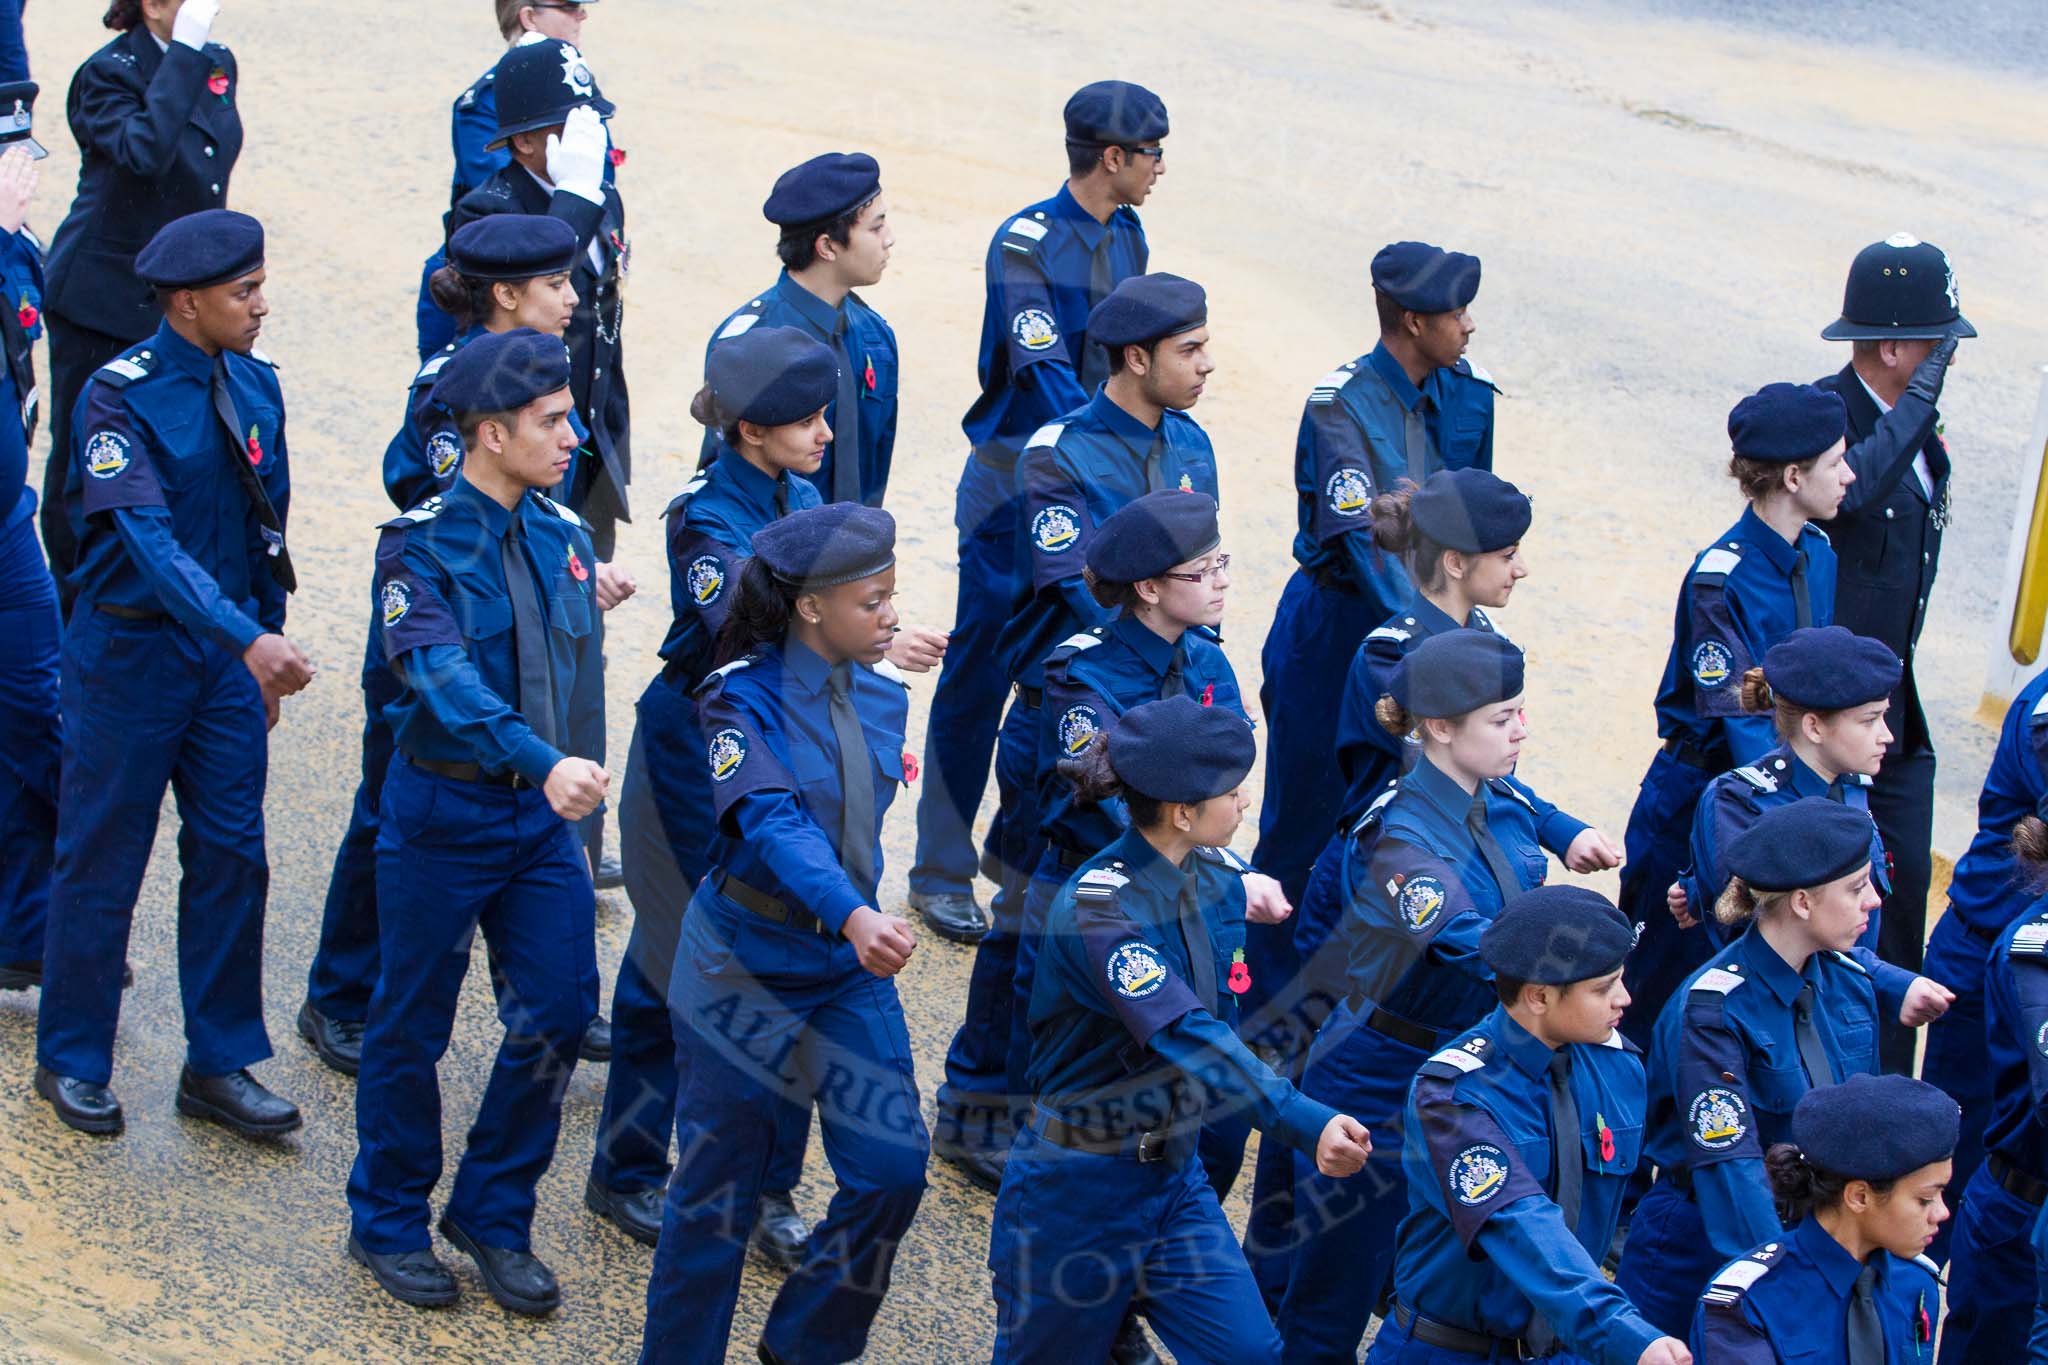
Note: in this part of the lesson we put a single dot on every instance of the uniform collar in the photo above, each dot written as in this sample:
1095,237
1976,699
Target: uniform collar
1836,1266
1530,1054
180,354
1079,220
1429,618
750,483
1387,368
800,663
809,306
1147,867
1753,533
1803,780
1435,786
1766,966
1155,653
462,494
1121,424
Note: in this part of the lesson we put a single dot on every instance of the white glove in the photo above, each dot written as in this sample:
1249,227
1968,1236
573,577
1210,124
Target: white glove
194,22
576,157
530,37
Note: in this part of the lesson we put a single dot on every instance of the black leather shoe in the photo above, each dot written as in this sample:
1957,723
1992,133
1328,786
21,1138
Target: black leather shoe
597,1041
21,976
414,1277
237,1102
983,1168
337,1042
610,873
1132,1346
781,1236
953,916
518,1280
637,1214
766,1356
82,1105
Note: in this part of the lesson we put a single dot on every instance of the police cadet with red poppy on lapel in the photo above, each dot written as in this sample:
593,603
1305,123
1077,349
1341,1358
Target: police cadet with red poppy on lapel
835,239
156,113
174,667
1902,318
488,613
1523,1134
1047,269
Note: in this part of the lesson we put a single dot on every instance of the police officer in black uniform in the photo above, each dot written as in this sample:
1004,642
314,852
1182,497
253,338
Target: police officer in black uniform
1902,317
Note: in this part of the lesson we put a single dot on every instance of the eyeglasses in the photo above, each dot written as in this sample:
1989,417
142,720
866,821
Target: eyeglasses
573,6
1156,153
1213,572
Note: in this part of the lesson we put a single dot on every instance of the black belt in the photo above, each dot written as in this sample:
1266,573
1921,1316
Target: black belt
1691,754
1335,579
1680,1178
470,772
1430,1332
1153,1145
996,456
769,907
1033,697
2015,1181
1403,1030
1067,858
1981,935
129,613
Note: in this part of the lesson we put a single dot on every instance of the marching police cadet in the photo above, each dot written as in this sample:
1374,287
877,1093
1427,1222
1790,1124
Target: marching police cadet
1987,891
174,667
782,994
157,118
1792,1003
1825,688
509,270
1530,1124
1997,1269
835,239
1102,1208
1901,317
1861,1179
1769,574
1047,269
1425,871
1134,436
489,621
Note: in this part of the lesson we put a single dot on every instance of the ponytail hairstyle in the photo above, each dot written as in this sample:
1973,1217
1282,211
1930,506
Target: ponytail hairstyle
761,610
1393,717
1739,903
1394,530
705,412
1095,782
2030,847
1755,697
468,301
1109,593
1800,1187
123,15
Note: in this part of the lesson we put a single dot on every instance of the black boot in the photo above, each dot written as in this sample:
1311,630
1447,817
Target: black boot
237,1102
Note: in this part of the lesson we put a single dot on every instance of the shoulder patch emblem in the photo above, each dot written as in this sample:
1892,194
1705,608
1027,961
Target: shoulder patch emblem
106,454
1035,330
728,751
1715,1118
1710,663
1056,529
1135,970
1349,491
397,601
444,453
1078,726
1421,901
1024,227
1478,1174
705,578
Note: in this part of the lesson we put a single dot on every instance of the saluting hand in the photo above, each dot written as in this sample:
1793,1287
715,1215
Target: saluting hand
18,178
1926,1001
917,649
576,155
1665,1351
194,22
1343,1147
575,787
1680,907
277,665
884,942
1264,901
1592,851
614,585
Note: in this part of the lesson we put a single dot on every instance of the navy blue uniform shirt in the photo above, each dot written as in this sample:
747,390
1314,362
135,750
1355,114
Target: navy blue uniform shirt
1368,754
21,277
1788,1301
162,520
425,454
711,526
1982,891
2016,1043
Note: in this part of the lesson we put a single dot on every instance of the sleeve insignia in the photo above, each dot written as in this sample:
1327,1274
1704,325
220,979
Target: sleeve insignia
1135,970
1035,330
397,601
705,578
1716,1118
106,454
1710,663
1056,529
728,751
1077,727
1478,1174
1420,900
444,453
1349,491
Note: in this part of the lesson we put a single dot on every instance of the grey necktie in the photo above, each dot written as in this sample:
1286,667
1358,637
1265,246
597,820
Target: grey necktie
1416,433
1173,684
857,784
1155,465
845,422
1813,1055
1489,847
250,481
1802,601
536,699
1866,1330
1094,358
1194,930
1568,1159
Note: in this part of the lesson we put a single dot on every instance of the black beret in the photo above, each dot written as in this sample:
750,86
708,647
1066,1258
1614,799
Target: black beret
18,117
1828,668
513,246
1424,278
502,372
822,188
1786,423
822,547
771,376
1181,750
1555,935
1457,672
1876,1127
1808,843
1899,289
1473,511
1144,308
1114,113
1149,535
205,248
538,84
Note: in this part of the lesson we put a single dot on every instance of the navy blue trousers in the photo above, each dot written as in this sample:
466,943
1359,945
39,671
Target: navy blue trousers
1957,957
454,857
1393,1346
1992,1276
344,969
1656,847
1668,1259
148,705
31,739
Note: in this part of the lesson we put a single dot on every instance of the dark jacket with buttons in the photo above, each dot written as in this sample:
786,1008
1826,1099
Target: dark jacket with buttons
1887,537
158,134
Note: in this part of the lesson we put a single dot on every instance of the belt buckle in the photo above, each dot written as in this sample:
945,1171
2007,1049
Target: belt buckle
1152,1145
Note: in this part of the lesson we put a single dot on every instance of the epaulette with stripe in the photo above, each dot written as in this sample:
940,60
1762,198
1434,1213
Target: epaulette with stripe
1851,963
559,510
413,516
1331,384
1023,234
682,499
122,371
1453,1062
1718,981
2031,938
1738,1276
435,364
1757,778
1716,564
1098,886
1511,791
742,322
1226,856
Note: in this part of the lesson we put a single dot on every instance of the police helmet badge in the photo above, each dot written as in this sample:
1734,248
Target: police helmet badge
397,602
1135,971
106,454
1077,727
1711,663
575,73
1716,1118
1478,1174
728,751
1421,900
1349,491
1056,529
1035,330
444,452
706,579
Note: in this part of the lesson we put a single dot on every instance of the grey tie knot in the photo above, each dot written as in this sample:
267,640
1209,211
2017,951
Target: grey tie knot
840,680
